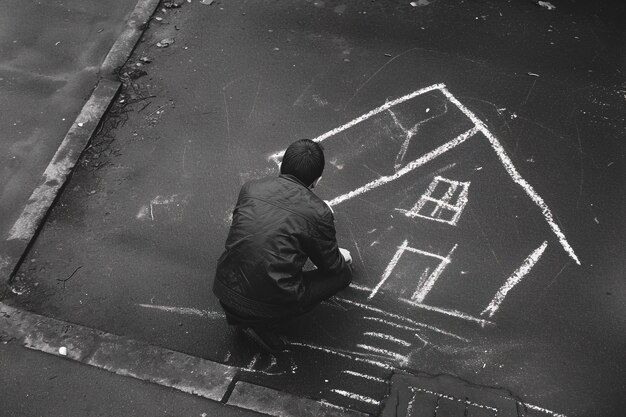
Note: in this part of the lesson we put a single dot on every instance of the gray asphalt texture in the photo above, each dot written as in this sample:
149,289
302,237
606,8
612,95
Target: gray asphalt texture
50,55
145,216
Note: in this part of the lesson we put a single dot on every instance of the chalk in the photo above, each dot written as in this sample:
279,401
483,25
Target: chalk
357,397
276,156
398,317
517,178
424,289
407,168
388,337
401,358
364,376
185,310
453,313
514,279
360,287
543,410
253,362
451,398
389,268
342,354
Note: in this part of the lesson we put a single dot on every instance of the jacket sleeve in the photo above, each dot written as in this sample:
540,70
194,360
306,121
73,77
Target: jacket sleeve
323,249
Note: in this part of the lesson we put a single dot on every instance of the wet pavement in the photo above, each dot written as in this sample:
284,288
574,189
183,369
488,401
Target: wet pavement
475,165
50,55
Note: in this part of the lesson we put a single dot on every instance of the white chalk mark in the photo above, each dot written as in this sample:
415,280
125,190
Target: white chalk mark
451,398
253,362
185,310
276,156
398,317
416,330
453,313
512,171
389,269
343,354
357,397
360,287
401,358
514,279
541,409
411,166
227,356
364,376
443,204
423,290
388,337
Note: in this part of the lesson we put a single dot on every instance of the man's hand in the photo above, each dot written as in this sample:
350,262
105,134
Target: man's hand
346,255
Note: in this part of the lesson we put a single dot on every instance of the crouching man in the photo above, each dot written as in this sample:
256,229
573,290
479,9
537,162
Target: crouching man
278,223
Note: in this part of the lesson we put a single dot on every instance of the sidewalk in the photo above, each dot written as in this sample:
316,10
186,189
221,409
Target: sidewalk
39,384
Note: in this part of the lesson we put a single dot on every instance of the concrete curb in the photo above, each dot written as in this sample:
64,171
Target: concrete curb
53,179
129,357
21,236
126,42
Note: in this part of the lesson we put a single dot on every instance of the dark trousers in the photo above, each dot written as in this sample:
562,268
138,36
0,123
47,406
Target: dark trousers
318,287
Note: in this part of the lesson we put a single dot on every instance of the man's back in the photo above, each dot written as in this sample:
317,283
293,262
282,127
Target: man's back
277,224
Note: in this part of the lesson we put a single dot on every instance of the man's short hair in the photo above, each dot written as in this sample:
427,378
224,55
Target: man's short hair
304,159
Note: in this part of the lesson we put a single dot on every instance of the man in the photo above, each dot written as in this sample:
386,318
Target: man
279,223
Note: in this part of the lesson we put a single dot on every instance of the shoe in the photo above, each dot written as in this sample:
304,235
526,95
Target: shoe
267,340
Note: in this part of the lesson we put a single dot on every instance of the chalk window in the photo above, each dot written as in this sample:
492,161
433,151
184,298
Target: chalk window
443,201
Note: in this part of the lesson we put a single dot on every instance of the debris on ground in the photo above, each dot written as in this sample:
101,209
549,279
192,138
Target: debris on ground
164,43
173,4
208,2
135,73
532,74
545,4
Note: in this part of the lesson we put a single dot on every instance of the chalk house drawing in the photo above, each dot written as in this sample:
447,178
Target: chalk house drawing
445,209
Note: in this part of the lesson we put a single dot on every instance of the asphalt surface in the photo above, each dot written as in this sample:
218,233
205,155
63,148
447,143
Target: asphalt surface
131,244
50,55
38,384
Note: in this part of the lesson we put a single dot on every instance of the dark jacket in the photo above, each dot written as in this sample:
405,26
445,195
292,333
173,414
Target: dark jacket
277,224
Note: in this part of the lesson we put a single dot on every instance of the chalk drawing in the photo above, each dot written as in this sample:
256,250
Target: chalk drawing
479,126
451,398
276,157
453,313
253,362
388,337
351,355
514,279
357,397
543,410
443,205
401,358
186,311
399,317
514,174
411,166
424,287
364,376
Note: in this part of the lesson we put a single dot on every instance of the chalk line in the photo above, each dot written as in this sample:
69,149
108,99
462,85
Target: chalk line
416,330
407,168
358,397
360,287
401,358
513,173
451,398
401,318
364,376
541,409
514,279
388,337
453,313
428,285
185,310
342,354
276,156
253,362
389,269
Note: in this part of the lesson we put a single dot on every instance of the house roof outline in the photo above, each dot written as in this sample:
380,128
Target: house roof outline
479,127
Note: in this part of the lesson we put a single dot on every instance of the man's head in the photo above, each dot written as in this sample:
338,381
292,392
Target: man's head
304,159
